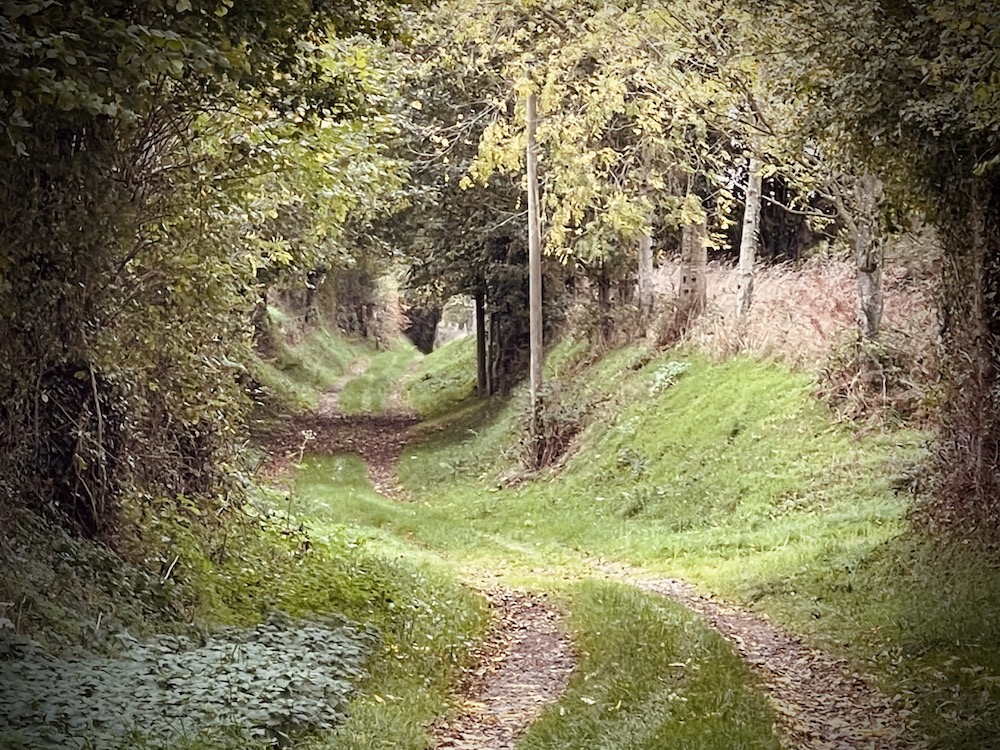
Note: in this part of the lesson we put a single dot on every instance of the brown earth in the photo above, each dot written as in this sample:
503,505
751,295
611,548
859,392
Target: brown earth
377,439
522,667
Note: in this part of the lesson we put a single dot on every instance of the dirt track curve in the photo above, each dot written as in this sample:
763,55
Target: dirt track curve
527,658
820,703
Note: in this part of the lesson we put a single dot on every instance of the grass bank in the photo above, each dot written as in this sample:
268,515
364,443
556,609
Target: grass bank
731,475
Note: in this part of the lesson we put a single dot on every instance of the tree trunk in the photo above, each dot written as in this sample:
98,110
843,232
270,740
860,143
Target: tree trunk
492,354
534,267
313,279
694,265
482,381
869,253
645,276
603,306
969,445
748,246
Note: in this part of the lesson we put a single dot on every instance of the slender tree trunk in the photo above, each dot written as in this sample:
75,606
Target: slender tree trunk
869,253
968,451
492,348
604,306
482,381
748,245
644,276
534,266
313,279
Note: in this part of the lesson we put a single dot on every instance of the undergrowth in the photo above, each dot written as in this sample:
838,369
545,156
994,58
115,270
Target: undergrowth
416,623
63,592
883,382
228,601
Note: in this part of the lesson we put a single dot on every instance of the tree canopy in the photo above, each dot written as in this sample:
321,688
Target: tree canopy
165,159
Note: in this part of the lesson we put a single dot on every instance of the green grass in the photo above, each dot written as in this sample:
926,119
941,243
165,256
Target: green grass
293,377
735,478
652,675
729,475
441,383
369,393
428,621
626,691
686,475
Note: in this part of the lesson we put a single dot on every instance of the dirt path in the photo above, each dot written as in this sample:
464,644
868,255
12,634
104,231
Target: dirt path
523,666
821,705
527,659
329,401
377,439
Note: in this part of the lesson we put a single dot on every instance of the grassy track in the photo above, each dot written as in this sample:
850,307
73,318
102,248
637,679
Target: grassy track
652,676
367,394
731,476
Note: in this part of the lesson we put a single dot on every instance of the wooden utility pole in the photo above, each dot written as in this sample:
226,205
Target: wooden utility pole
534,267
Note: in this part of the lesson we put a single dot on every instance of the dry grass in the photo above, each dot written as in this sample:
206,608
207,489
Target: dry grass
801,315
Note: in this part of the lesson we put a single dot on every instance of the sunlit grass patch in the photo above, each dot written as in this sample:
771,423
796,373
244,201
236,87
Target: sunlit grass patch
335,491
368,393
443,379
741,442
652,675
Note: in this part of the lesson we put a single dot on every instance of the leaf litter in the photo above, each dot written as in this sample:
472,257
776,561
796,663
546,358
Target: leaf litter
524,665
378,439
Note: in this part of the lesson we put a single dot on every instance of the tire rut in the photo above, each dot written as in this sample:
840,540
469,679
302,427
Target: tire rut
523,666
819,702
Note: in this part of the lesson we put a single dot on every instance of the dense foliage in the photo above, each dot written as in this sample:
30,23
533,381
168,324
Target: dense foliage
165,163
864,116
268,682
910,91
171,161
